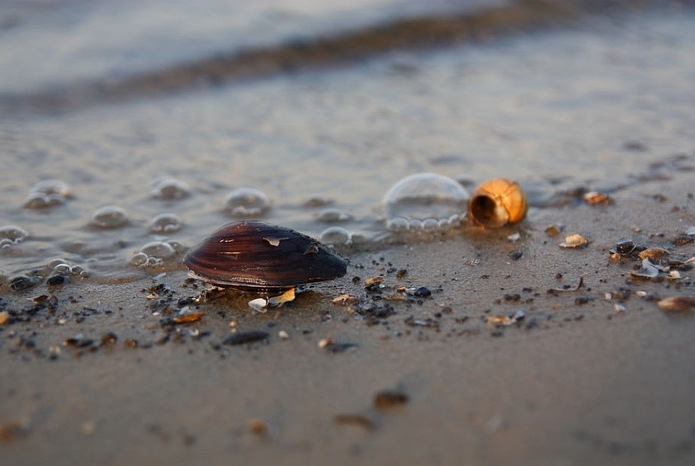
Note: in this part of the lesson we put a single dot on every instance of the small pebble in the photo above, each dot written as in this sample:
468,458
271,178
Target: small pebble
355,419
677,303
422,292
246,337
109,338
574,241
88,428
389,399
258,427
4,317
325,342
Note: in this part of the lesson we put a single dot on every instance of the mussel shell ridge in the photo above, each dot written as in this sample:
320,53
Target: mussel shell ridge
253,255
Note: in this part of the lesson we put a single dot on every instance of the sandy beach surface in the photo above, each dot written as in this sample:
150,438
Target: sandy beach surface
472,346
594,375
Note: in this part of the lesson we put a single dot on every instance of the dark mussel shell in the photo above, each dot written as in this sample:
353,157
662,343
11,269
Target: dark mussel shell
255,256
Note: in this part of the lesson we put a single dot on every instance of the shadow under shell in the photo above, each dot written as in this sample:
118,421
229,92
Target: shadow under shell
254,256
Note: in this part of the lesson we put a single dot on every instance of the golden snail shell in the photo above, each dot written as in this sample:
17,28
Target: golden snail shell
497,202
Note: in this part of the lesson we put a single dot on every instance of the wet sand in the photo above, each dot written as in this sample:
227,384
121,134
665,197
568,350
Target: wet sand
477,348
576,381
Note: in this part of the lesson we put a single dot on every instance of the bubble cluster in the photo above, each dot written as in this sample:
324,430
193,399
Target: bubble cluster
336,236
11,235
425,202
246,202
165,224
154,254
61,272
333,216
108,217
47,193
64,267
170,189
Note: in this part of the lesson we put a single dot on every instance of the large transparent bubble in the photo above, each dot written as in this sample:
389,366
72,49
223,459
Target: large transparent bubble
47,193
246,202
108,217
425,202
165,223
170,189
11,235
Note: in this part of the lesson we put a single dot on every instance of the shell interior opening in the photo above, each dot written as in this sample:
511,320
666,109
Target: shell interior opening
488,212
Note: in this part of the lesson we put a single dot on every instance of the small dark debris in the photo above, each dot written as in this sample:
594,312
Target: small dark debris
390,398
355,419
682,240
373,309
581,300
625,247
131,343
374,287
512,297
622,293
566,287
401,273
420,292
109,338
242,338
428,322
515,255
13,431
339,347
188,318
26,342
636,146
182,302
257,427
78,341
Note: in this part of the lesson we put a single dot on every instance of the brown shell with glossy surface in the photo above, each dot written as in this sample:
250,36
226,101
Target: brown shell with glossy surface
497,202
255,256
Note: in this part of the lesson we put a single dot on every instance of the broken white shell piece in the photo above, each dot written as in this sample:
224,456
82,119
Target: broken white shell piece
258,304
648,270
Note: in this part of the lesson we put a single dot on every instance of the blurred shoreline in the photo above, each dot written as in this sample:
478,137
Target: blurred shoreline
360,39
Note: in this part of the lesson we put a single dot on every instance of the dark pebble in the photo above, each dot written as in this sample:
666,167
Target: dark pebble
186,301
78,342
625,247
56,280
582,300
389,399
373,288
242,338
339,347
422,292
515,255
22,283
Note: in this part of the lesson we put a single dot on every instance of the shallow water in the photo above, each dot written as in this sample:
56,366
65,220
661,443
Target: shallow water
593,106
